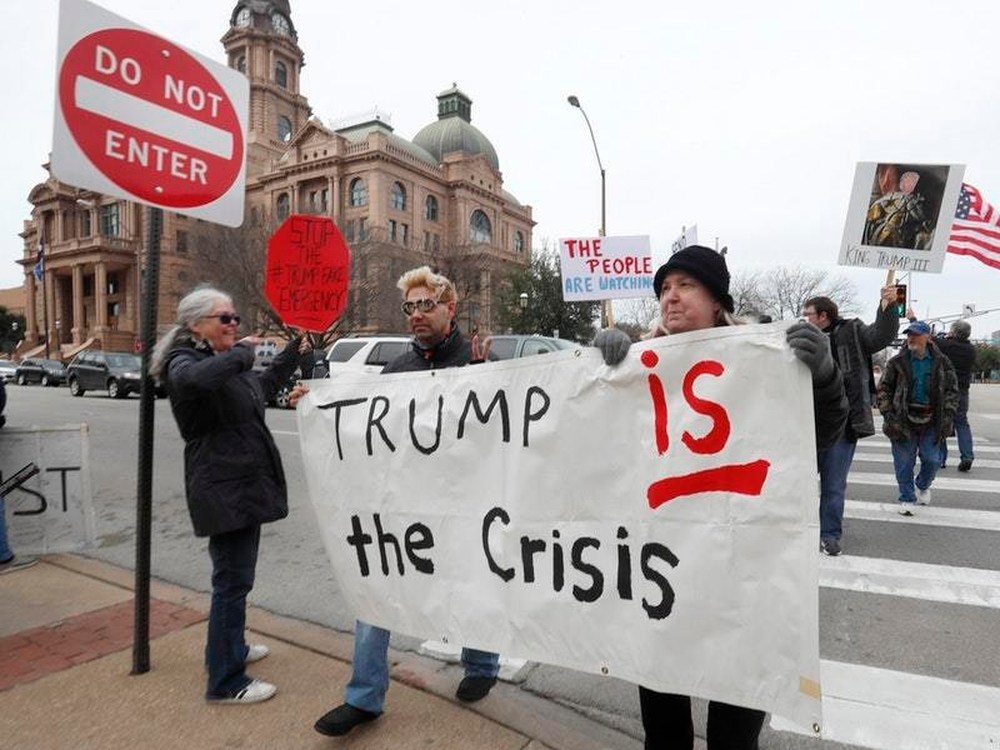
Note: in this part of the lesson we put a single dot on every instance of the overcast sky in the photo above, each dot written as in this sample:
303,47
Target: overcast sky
746,119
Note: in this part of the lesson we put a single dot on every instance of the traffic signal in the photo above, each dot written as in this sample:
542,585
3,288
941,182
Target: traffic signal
900,300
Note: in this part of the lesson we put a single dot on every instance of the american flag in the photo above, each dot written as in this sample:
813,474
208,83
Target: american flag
40,265
976,231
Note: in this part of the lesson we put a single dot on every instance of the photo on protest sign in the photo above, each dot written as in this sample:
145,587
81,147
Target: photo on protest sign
900,215
542,509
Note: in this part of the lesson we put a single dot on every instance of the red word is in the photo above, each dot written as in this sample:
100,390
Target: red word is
741,479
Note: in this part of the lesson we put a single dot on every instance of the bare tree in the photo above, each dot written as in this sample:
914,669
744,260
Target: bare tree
784,290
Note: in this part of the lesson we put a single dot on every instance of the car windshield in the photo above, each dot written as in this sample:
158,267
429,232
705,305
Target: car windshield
126,361
51,364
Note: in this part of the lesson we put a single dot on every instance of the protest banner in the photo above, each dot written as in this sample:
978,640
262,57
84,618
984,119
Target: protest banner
900,216
52,511
650,521
600,268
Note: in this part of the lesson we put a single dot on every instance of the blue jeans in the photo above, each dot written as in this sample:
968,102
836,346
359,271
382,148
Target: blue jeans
834,464
370,674
904,458
6,553
234,563
962,431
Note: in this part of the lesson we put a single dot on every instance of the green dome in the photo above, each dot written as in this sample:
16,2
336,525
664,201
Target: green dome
454,131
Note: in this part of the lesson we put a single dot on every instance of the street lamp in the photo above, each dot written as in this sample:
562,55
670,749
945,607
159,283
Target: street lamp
575,102
522,305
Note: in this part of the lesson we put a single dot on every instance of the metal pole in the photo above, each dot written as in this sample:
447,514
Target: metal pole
144,491
606,312
45,296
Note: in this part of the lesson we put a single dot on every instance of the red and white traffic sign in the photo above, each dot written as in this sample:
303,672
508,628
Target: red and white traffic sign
139,117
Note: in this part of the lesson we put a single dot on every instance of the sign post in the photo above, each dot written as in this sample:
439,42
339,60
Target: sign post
141,118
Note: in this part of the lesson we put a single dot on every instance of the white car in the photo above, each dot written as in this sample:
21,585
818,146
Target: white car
7,370
364,353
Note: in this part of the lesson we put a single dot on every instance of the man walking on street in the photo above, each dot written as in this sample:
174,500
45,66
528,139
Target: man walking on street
962,354
853,343
917,396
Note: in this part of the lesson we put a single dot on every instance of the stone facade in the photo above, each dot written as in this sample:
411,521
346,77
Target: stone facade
438,199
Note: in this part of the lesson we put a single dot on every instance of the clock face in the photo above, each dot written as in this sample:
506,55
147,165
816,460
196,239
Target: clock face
280,23
243,17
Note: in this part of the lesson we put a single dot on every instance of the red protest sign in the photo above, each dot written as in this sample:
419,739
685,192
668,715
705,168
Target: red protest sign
308,270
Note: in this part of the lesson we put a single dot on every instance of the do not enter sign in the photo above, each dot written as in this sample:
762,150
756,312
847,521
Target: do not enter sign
308,270
140,117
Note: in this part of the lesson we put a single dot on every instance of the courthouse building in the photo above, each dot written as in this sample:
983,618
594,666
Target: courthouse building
438,198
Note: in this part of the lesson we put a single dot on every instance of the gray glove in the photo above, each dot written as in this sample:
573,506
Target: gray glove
812,346
613,344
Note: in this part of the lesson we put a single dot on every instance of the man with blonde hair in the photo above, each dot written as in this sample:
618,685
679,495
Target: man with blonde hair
429,302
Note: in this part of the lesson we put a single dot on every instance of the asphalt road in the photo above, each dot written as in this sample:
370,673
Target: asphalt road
909,615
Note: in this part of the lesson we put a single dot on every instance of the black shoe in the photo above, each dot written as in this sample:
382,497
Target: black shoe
830,547
343,719
472,689
965,464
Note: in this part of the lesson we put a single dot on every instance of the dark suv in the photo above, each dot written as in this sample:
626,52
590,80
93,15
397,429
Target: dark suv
118,373
44,371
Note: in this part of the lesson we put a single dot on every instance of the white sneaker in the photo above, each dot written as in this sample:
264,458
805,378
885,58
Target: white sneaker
256,652
255,692
923,496
906,509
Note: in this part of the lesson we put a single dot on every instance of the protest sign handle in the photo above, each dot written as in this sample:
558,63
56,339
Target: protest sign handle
890,277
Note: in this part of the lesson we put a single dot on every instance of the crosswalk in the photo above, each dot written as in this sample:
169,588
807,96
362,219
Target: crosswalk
871,706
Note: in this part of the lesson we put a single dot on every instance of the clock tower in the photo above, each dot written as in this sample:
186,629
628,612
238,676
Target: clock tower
262,44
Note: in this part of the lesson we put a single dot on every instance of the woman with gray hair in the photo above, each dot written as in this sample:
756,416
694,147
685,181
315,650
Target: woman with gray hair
232,470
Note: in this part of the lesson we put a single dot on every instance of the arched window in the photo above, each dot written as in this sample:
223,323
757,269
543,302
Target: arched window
283,207
284,129
359,192
431,212
397,196
518,243
241,63
479,227
281,75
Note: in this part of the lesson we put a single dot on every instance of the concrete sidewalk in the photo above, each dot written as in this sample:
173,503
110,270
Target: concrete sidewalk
66,656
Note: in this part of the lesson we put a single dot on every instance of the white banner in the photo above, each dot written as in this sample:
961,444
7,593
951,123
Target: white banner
53,511
598,268
652,521
688,237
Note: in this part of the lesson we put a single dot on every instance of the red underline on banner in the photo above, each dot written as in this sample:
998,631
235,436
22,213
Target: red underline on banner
742,479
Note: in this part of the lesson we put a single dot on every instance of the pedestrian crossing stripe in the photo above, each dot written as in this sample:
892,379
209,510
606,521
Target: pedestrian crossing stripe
957,484
937,583
924,515
977,448
886,710
885,458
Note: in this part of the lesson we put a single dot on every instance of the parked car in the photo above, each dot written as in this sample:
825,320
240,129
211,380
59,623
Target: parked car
364,353
44,371
510,346
117,373
8,370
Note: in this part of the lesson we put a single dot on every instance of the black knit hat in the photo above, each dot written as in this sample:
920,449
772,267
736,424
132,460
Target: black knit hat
704,264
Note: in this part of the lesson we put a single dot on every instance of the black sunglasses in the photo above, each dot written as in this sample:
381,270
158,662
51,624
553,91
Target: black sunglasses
226,318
